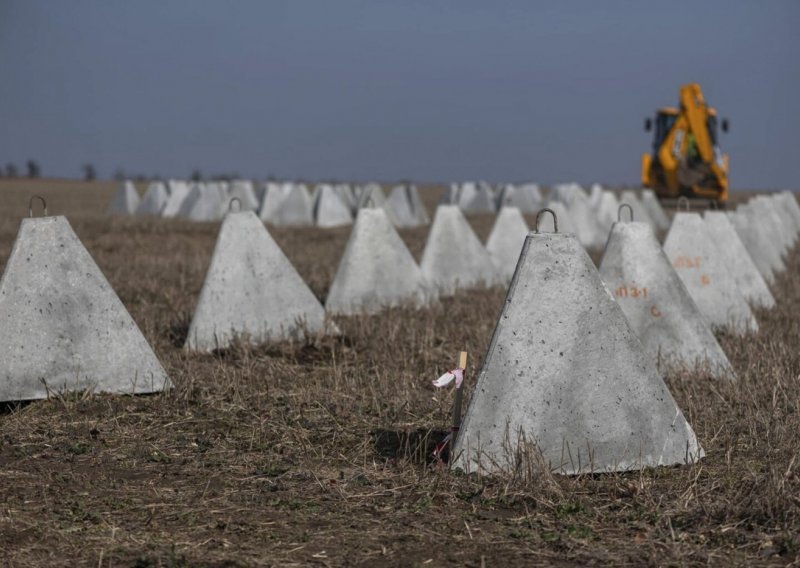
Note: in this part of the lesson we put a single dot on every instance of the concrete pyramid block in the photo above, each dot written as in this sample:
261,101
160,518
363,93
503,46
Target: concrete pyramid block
595,192
766,213
566,192
407,209
506,240
244,192
787,212
203,204
154,199
62,326
654,210
251,290
271,199
454,257
476,198
640,214
450,195
790,201
565,373
755,240
178,193
737,259
771,237
787,221
565,223
125,201
417,206
510,196
294,209
532,191
701,267
654,299
177,184
584,219
607,211
329,208
377,271
370,195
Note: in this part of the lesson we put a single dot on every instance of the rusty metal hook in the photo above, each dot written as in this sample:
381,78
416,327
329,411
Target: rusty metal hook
230,205
30,205
555,219
619,212
684,199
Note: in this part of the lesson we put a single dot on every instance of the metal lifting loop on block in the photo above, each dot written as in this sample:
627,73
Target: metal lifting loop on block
230,205
555,219
30,205
619,212
685,200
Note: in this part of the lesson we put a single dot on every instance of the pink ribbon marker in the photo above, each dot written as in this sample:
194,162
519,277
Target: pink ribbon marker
448,377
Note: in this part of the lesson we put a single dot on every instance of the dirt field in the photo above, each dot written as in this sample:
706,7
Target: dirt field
315,454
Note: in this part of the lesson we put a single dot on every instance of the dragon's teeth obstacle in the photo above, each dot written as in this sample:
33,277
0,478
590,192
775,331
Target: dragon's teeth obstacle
737,259
63,327
657,304
702,269
126,200
506,240
377,270
454,257
251,291
565,376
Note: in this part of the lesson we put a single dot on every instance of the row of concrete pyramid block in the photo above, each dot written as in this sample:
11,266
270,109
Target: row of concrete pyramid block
65,329
568,333
279,204
376,272
588,215
572,368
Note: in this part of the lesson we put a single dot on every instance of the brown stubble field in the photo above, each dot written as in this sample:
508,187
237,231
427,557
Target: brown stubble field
317,453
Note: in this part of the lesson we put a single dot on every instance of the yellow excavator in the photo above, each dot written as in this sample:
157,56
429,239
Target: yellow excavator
686,159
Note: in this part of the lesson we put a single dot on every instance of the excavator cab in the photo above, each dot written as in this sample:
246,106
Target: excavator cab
686,159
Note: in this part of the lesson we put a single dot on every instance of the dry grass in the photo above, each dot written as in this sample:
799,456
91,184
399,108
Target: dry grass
315,453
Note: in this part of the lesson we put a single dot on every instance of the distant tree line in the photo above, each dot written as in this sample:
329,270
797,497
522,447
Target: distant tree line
32,170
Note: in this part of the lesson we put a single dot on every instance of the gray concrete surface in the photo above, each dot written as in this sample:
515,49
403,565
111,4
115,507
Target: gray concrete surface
654,210
202,204
330,210
407,209
454,256
511,196
584,219
607,210
735,256
565,371
640,214
242,190
154,199
125,200
703,270
62,326
177,195
758,242
251,290
659,308
506,239
377,270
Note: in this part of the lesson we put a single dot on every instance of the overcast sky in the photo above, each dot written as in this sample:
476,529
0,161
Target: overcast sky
433,91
